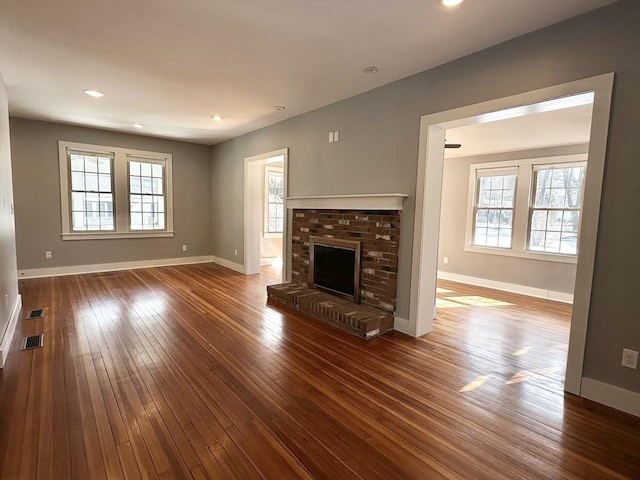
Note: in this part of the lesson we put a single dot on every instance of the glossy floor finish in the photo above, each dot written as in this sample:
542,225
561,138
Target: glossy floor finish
185,372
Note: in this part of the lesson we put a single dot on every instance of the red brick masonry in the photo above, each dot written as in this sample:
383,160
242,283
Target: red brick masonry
361,320
379,232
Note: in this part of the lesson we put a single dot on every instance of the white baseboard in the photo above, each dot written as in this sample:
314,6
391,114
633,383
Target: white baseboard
267,260
508,287
611,396
7,338
228,264
110,267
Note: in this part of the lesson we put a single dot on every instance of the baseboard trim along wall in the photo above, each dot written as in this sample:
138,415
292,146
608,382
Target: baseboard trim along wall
7,337
110,267
611,396
228,264
267,260
508,287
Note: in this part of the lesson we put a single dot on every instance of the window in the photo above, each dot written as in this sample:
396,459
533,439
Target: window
109,192
526,208
146,196
493,217
91,191
555,209
274,200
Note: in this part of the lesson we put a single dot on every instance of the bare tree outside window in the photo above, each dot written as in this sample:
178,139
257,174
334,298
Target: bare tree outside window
493,216
555,210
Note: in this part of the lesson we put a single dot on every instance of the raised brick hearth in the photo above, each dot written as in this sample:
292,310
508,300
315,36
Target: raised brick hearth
378,231
361,320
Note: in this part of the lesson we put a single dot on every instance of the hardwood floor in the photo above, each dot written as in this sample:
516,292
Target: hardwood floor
186,372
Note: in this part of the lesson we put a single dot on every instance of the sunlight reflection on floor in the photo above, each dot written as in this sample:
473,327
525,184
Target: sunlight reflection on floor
469,301
472,385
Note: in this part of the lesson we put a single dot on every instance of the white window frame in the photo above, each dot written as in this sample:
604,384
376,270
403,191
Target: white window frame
535,169
120,179
523,196
265,228
491,172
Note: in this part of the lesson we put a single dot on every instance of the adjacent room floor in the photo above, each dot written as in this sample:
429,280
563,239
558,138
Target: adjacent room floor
186,372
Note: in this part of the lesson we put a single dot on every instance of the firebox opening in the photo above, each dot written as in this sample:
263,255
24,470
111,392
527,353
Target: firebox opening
334,265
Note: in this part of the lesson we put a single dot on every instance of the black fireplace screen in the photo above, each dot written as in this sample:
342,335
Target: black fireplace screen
334,265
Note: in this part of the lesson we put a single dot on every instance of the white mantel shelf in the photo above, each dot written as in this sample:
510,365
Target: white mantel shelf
375,201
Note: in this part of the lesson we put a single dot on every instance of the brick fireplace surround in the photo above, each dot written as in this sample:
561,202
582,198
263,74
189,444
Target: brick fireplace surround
378,230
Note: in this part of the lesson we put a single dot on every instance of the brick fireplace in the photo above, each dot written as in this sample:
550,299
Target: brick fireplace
378,232
375,223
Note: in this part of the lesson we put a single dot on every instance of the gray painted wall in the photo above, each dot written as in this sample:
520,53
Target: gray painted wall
555,276
37,198
378,147
8,269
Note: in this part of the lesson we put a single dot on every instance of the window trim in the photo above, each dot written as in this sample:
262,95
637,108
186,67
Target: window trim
265,218
121,157
524,187
532,208
491,172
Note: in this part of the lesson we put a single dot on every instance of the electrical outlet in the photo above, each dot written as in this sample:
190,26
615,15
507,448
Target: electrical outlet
184,248
235,252
330,137
48,255
445,260
629,358
336,136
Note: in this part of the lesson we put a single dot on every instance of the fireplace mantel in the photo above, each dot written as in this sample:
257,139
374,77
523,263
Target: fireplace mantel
375,201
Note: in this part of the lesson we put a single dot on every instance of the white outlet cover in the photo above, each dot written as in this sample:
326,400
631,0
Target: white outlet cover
629,358
336,135
330,137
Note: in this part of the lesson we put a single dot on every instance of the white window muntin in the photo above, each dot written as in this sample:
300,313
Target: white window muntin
564,209
120,191
82,194
158,192
268,171
492,207
524,186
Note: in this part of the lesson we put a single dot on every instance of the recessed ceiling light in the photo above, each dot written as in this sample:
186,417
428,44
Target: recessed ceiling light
450,3
370,70
218,118
94,93
138,125
278,108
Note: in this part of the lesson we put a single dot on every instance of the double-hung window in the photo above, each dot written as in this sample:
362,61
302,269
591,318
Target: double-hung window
555,208
527,208
110,192
274,200
494,206
146,195
91,191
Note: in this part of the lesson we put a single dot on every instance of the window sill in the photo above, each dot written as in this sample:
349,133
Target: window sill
272,235
545,257
115,235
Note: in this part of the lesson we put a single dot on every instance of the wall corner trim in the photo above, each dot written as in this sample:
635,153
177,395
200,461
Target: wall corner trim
236,267
5,344
110,267
507,287
611,396
402,325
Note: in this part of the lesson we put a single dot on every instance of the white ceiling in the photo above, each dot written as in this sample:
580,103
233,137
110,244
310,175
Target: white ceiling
172,64
568,126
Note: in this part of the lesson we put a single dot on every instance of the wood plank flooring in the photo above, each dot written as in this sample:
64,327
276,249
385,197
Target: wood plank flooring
186,372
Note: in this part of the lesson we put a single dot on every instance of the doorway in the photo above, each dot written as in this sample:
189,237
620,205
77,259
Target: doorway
265,222
429,193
